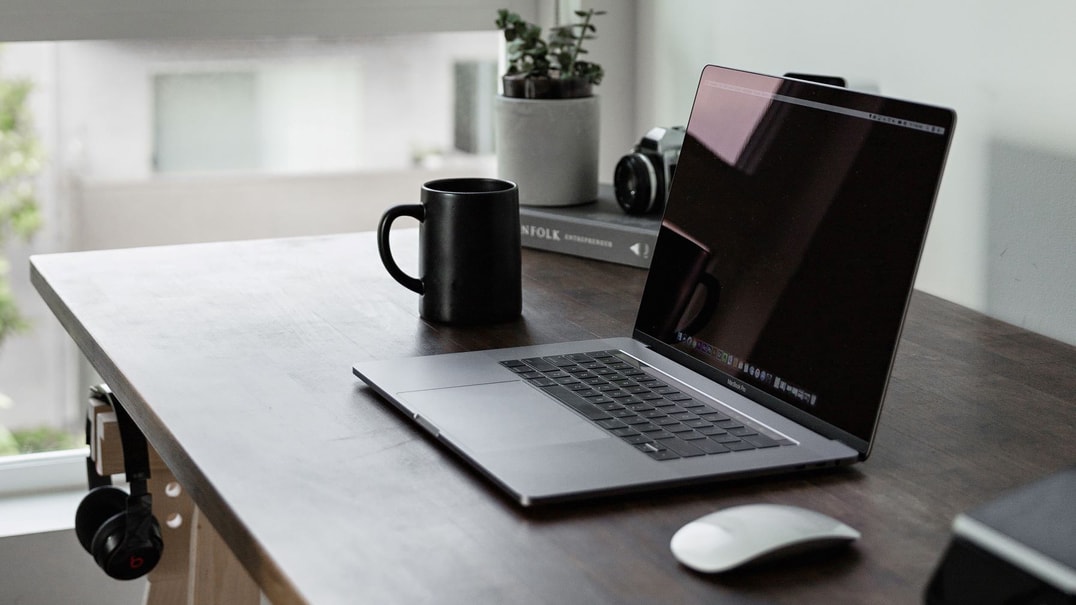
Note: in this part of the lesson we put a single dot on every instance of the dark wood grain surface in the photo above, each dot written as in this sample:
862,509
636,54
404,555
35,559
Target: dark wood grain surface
235,359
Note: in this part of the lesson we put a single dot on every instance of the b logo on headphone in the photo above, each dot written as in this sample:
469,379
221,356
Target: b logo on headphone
118,528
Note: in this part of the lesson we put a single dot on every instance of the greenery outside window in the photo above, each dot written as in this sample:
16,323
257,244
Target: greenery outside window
20,162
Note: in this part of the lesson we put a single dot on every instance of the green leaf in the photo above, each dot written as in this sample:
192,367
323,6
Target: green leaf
527,53
20,161
45,439
8,445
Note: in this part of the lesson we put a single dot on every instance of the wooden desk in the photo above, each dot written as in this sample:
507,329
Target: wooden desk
235,360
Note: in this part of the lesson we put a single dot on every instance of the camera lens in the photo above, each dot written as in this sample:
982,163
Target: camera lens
634,184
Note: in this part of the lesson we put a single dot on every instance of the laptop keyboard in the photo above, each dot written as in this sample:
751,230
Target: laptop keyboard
611,390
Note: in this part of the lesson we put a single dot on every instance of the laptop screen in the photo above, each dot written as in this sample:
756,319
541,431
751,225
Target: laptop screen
790,242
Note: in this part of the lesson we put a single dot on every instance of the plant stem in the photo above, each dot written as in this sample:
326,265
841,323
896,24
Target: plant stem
579,42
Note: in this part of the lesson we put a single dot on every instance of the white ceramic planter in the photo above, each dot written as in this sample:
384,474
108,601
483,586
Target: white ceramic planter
549,148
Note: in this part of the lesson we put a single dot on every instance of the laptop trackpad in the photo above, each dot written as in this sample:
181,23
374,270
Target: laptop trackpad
500,416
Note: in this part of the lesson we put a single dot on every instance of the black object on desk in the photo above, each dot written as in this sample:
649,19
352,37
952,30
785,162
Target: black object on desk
469,250
1020,548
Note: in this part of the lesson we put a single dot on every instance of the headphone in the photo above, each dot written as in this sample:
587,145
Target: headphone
118,528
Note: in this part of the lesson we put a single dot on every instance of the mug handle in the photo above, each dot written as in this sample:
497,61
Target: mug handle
415,211
709,304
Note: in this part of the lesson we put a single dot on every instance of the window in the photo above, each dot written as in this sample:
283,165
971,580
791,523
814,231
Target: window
217,116
206,122
324,106
100,148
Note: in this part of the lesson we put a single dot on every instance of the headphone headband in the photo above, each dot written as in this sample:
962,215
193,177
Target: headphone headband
135,448
132,441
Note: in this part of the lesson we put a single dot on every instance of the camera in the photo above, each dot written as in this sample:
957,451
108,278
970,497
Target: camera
642,178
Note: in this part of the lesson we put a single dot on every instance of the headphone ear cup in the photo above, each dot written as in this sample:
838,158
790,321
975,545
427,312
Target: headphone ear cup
97,506
121,560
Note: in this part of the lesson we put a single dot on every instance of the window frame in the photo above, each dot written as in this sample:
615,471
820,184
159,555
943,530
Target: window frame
28,474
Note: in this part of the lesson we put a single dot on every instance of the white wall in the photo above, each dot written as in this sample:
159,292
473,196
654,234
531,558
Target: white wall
1004,228
52,569
105,105
119,214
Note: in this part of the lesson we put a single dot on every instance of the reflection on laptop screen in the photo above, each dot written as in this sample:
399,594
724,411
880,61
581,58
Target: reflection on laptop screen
808,209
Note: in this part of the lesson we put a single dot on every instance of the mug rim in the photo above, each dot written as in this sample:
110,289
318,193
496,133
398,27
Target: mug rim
468,185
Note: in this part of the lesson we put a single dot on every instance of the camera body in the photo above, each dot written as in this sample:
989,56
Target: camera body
642,177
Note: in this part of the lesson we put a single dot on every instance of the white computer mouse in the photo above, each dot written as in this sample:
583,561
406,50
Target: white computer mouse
735,536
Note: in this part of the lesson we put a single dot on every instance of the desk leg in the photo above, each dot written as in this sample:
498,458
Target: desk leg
196,567
216,575
169,581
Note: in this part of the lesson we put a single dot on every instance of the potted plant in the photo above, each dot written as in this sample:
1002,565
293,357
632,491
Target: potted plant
547,119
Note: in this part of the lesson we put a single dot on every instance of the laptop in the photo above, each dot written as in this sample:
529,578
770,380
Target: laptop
767,327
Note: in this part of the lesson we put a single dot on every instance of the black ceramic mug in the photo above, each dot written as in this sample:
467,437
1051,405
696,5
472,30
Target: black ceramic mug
469,254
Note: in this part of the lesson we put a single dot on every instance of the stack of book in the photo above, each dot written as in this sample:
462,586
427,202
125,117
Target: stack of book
600,230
